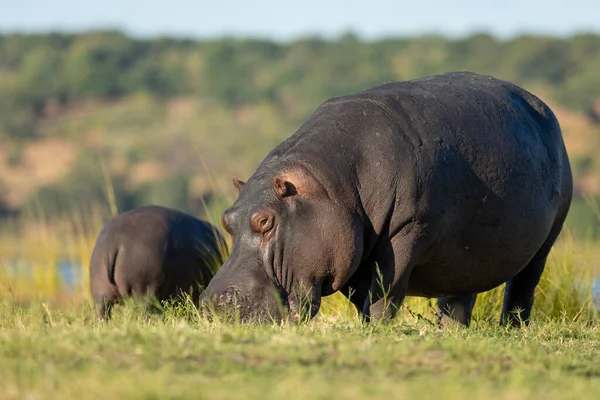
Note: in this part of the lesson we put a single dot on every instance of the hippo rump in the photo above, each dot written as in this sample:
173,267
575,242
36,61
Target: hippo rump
156,251
443,187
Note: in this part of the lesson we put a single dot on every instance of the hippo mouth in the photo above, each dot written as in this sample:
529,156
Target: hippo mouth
235,306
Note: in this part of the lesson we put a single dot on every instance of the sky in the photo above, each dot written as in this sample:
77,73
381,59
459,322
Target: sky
286,20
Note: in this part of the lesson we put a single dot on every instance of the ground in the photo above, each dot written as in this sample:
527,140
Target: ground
49,352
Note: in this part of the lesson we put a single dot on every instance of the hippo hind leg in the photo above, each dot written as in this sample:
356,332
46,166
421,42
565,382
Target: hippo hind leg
518,299
104,306
456,309
518,293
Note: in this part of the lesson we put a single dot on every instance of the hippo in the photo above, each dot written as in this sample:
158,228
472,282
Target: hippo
440,187
153,251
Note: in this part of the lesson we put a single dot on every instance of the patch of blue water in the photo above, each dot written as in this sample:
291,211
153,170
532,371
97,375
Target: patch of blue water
70,273
596,290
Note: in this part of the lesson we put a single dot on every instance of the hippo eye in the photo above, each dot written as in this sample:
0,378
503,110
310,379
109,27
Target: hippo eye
262,223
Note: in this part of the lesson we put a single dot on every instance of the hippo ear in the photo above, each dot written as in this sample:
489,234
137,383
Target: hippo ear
285,188
297,182
238,184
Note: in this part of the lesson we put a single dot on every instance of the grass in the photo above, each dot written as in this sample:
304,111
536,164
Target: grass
51,347
61,352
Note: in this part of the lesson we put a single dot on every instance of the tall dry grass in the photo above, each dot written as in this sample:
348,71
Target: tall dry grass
33,254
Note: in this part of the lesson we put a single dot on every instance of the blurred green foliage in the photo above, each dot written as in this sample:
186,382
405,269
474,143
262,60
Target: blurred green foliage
225,103
37,68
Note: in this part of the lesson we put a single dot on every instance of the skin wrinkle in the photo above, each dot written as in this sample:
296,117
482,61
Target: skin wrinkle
291,295
275,266
270,259
274,263
278,267
285,278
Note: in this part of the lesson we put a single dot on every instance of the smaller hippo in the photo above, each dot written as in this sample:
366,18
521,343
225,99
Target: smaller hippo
153,251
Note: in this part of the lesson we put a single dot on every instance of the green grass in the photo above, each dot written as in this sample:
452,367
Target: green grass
62,353
51,346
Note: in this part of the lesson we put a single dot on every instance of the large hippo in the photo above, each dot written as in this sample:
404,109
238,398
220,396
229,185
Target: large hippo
445,187
156,251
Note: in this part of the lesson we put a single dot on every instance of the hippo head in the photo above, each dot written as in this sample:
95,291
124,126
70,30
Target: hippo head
292,243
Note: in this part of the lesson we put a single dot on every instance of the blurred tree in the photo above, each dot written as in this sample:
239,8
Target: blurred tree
234,99
96,63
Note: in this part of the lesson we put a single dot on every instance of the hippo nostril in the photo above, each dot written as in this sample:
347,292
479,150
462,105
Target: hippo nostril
226,297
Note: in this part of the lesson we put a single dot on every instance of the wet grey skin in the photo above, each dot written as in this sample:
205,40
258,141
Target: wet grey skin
153,253
440,187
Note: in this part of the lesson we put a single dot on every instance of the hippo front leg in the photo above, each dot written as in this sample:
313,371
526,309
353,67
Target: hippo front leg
389,280
358,288
456,309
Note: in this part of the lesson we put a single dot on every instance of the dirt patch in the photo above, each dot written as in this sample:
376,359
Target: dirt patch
183,107
42,162
147,172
